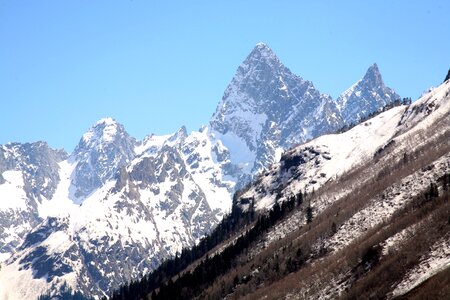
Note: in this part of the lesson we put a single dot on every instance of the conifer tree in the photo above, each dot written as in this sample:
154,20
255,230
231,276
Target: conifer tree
309,214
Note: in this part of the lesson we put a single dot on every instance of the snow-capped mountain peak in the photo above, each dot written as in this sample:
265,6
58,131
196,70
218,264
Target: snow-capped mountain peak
266,107
104,131
365,96
261,45
101,152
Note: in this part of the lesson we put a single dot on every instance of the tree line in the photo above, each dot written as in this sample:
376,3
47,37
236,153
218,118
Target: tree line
163,283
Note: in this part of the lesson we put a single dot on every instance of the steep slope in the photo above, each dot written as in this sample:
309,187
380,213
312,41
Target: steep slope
373,222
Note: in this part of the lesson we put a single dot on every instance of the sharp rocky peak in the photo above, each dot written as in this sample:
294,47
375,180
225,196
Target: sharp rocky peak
373,75
366,96
260,60
266,106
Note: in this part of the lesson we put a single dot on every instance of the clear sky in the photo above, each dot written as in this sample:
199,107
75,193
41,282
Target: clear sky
157,65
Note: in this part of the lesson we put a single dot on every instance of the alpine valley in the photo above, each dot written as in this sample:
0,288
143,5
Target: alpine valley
116,208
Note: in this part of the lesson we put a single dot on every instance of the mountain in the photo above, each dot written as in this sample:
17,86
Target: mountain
101,152
365,96
367,220
141,198
29,174
266,108
116,208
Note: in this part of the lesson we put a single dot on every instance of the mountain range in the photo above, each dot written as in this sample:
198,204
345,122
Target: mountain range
361,214
116,208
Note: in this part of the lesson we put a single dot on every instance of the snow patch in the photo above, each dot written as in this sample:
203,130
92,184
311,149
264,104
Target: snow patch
12,191
63,201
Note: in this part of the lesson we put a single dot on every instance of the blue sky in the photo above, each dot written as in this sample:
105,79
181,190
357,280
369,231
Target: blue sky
157,65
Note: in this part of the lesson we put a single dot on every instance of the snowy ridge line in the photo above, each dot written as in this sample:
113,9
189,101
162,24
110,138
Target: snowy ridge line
338,283
321,162
324,201
380,205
